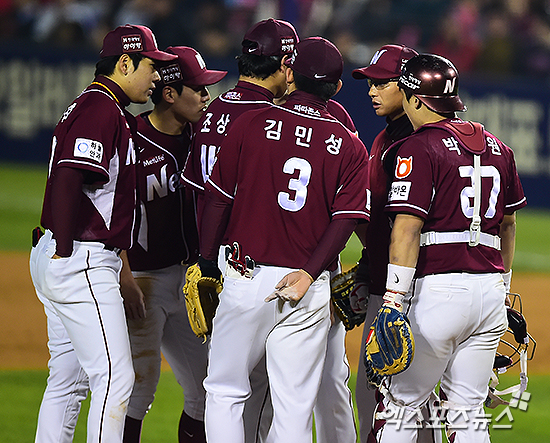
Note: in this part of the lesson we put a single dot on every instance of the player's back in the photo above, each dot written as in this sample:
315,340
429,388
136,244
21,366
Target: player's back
294,168
214,124
437,173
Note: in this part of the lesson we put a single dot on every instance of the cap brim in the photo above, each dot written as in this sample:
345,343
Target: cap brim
159,55
443,105
206,78
373,71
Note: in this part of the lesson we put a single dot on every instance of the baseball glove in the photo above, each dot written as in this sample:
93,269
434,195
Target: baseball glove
201,299
341,288
389,349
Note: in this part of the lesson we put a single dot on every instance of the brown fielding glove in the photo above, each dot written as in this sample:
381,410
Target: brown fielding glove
201,299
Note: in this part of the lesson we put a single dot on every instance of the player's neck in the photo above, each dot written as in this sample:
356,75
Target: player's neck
165,122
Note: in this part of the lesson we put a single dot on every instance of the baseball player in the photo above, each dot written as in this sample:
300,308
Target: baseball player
381,74
166,242
286,192
89,215
264,45
453,199
261,80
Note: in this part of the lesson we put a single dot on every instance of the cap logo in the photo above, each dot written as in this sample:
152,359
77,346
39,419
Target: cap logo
170,74
319,76
449,85
131,43
377,56
287,44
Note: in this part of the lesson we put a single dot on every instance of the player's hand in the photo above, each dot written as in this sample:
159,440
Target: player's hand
134,300
359,298
292,287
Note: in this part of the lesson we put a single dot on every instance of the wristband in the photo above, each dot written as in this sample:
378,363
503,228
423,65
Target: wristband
507,277
399,278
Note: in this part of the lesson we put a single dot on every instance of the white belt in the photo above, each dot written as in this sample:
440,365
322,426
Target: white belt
439,238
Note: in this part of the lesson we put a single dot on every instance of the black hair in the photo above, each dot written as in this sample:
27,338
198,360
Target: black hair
106,66
323,90
156,97
258,66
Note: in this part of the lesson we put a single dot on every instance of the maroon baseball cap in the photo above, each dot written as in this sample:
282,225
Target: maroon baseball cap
318,59
386,63
270,37
189,69
130,39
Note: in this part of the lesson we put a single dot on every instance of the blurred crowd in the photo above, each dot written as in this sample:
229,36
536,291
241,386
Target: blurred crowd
496,38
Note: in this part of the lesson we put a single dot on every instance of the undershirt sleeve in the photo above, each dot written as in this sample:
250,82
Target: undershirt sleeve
333,241
66,195
214,220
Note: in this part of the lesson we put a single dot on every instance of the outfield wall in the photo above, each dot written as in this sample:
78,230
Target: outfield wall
38,83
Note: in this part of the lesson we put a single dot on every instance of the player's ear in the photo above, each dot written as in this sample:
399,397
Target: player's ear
418,103
124,63
289,75
168,94
339,86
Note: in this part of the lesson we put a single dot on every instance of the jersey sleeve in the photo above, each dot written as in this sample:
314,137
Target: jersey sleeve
353,197
514,197
224,176
89,140
412,183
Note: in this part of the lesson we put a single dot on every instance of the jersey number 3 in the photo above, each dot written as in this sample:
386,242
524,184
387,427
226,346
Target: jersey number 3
298,185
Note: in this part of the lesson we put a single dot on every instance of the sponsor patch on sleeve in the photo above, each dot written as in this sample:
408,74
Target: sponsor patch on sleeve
399,191
86,148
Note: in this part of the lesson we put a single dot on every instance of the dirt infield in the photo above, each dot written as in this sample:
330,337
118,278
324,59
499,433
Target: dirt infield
23,340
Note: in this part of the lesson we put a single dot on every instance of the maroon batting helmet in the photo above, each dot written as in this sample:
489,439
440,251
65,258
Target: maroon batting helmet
434,80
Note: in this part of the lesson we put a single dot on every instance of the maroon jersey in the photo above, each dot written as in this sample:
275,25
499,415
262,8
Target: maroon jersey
433,180
339,113
214,124
94,134
378,230
288,171
167,233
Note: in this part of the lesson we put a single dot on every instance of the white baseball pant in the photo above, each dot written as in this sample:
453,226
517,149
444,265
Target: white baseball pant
457,320
293,338
84,292
166,328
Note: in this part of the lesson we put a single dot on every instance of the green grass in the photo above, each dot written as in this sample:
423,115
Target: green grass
21,393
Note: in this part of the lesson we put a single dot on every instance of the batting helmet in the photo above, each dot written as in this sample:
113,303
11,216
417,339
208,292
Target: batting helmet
434,81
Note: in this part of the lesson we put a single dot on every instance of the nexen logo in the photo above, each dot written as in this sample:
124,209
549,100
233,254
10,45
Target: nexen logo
377,56
449,85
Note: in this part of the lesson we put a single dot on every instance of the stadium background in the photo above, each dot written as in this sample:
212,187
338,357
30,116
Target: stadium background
47,54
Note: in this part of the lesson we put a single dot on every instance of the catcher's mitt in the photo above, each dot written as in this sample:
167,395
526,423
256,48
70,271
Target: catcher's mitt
201,299
341,288
389,349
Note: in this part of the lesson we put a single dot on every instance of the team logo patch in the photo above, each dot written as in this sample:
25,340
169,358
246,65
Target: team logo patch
404,167
132,43
170,74
399,191
86,148
287,44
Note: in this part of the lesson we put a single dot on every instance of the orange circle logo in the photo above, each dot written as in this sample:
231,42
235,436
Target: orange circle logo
404,167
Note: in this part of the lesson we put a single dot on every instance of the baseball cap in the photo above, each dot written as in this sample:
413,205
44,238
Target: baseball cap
270,37
318,59
386,63
130,39
189,68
